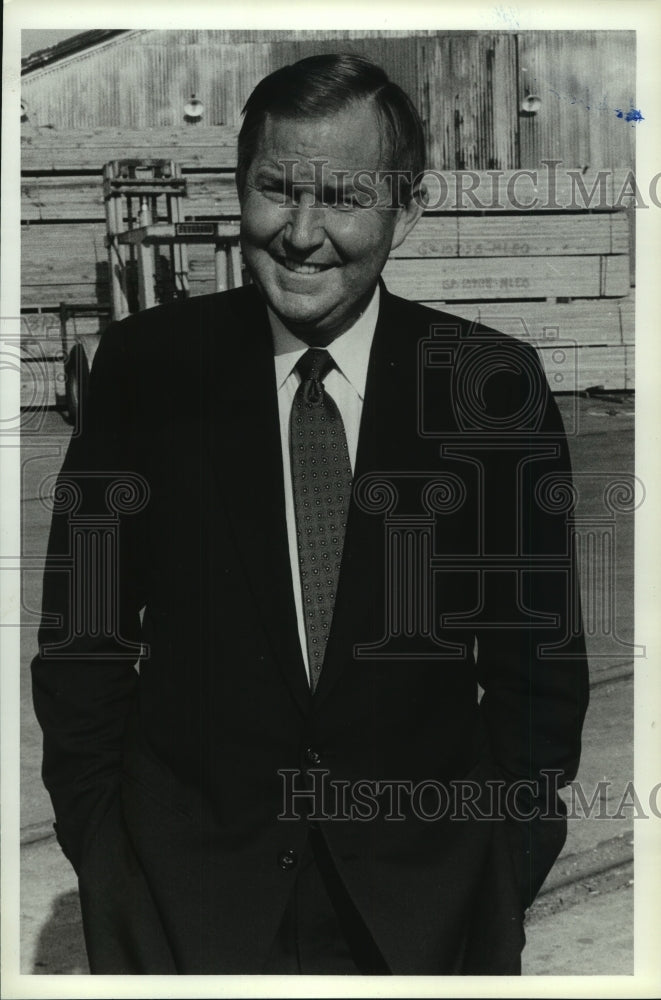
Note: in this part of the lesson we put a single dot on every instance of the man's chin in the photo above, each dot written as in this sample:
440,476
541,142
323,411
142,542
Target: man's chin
301,315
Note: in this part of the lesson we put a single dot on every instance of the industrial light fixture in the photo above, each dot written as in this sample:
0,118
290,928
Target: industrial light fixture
531,104
193,109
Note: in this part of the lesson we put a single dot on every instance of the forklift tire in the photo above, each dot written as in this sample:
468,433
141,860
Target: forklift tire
77,374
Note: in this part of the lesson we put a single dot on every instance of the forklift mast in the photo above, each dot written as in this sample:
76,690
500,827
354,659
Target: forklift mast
144,214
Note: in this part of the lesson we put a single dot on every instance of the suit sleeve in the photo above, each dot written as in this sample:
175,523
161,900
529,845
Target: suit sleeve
535,676
84,677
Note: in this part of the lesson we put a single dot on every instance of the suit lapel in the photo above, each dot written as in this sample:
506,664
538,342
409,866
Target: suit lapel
247,458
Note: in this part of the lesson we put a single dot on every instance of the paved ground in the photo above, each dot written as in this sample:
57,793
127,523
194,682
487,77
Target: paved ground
582,922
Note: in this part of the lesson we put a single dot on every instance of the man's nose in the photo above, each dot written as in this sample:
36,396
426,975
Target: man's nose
304,230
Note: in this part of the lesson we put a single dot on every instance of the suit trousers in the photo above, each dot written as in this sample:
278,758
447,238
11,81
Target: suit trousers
322,932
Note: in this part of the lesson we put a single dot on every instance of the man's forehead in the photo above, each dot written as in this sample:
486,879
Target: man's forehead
350,138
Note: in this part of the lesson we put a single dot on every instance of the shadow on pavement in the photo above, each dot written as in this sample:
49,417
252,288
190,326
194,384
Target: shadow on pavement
60,948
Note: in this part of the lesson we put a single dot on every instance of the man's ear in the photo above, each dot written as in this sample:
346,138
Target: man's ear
408,215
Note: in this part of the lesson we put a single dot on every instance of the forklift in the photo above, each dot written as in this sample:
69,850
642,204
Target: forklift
143,202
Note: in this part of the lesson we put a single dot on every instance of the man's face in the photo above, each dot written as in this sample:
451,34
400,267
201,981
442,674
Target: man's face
316,262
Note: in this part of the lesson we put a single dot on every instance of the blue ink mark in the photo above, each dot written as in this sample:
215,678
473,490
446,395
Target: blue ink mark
507,14
630,116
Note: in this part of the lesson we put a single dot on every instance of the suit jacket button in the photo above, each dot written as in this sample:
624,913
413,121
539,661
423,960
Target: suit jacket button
312,757
287,860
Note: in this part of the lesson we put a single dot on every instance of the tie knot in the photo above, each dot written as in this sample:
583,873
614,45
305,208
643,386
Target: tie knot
314,365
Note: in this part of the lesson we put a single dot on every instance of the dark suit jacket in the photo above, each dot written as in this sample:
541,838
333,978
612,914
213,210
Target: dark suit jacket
166,783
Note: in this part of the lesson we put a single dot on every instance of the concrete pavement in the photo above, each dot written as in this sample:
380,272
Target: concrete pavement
582,923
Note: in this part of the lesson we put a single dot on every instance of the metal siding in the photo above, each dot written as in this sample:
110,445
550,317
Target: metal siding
470,102
582,78
465,84
144,80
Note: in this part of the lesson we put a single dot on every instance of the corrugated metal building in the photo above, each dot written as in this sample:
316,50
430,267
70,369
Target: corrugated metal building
469,86
490,101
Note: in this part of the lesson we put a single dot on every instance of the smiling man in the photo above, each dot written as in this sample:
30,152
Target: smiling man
315,562
318,267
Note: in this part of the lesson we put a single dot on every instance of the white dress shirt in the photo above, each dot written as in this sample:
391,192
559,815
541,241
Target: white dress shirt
346,384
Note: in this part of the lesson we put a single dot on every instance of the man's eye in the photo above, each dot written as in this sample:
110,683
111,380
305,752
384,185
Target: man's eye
346,204
274,192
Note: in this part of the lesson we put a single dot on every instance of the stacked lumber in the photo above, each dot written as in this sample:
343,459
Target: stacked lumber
558,277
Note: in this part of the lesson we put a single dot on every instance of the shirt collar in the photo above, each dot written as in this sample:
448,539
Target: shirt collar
350,351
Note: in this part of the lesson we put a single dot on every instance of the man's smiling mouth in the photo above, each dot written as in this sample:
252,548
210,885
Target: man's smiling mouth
301,268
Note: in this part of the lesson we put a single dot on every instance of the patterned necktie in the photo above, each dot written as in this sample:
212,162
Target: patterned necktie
321,482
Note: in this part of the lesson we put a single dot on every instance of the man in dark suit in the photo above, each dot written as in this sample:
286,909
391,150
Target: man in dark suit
331,524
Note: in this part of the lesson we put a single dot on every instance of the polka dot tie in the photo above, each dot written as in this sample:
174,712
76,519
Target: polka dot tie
321,482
